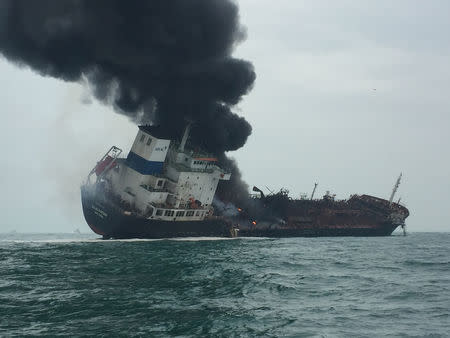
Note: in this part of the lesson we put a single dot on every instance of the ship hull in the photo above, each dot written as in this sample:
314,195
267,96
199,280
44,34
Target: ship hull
359,216
110,222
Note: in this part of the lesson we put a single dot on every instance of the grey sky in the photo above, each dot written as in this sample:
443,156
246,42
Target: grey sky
315,113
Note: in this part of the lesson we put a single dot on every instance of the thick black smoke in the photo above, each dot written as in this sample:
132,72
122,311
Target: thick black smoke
157,61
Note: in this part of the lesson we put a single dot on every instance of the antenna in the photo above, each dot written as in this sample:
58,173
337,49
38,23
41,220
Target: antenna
395,188
270,190
314,190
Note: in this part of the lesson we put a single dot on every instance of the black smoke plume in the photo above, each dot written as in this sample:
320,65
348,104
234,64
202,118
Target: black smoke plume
161,62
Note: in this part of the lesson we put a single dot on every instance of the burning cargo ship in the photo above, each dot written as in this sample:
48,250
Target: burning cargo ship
163,189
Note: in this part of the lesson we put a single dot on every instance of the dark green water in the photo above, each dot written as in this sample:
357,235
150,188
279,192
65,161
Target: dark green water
66,285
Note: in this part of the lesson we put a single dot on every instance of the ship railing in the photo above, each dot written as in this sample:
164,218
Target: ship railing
190,150
184,168
171,214
150,189
375,204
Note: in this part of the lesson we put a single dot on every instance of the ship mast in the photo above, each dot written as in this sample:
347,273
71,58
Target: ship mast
314,190
395,188
185,136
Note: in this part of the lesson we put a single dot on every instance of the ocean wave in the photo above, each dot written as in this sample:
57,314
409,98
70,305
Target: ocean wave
67,285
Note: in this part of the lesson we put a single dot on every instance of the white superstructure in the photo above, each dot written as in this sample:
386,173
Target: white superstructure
161,179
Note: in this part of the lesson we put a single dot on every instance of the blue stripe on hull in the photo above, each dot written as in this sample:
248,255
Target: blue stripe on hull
142,166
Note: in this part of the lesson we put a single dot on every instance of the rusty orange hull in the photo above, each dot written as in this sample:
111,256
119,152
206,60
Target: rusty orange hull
358,216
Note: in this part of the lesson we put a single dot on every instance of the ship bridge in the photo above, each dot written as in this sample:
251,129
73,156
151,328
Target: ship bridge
164,174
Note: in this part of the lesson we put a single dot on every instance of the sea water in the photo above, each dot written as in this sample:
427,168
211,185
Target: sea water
79,285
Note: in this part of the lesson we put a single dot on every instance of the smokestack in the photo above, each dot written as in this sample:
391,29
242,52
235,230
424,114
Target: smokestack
185,137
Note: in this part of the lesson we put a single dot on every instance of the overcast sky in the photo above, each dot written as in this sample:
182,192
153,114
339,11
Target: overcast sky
348,94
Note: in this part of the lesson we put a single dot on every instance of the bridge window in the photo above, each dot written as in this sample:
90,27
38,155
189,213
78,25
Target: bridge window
149,141
168,213
142,138
159,212
180,213
189,214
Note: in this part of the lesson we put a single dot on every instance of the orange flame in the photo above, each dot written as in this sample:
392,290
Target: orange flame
254,223
239,209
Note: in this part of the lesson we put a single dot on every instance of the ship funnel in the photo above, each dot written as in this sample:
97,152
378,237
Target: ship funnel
185,137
